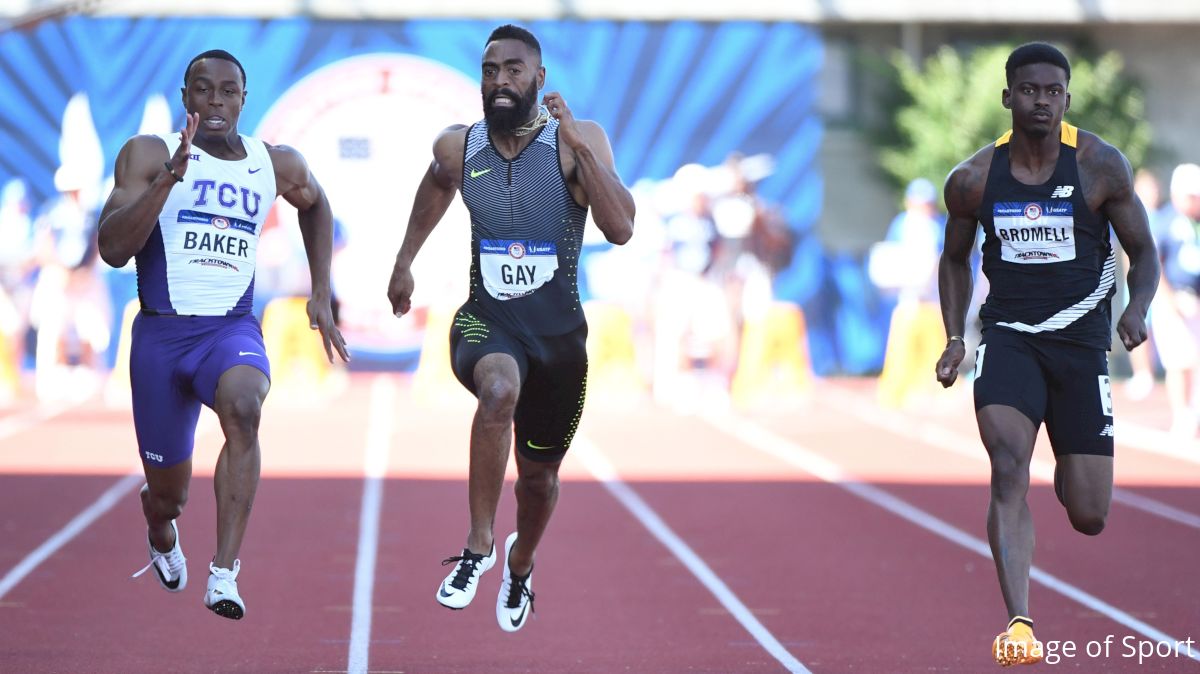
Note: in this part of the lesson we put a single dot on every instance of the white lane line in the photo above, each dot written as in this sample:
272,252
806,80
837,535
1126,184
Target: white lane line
73,528
380,422
1158,442
933,435
810,462
19,423
83,520
602,469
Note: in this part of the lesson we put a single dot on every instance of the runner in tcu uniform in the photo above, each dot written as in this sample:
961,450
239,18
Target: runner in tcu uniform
190,209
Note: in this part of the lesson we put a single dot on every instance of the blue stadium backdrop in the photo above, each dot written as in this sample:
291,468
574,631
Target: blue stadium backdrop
667,93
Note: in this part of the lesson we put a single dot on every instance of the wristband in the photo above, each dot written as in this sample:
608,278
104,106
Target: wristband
955,338
171,169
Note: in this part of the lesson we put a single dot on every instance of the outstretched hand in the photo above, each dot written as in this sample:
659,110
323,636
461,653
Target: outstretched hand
320,317
947,365
179,160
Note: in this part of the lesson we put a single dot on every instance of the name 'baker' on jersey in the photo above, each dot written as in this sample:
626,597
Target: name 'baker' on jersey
200,258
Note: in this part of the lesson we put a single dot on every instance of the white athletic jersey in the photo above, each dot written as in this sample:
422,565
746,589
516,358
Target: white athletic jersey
199,260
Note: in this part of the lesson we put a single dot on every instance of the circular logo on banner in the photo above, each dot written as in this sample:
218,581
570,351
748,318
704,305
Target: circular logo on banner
516,250
366,125
1033,212
220,223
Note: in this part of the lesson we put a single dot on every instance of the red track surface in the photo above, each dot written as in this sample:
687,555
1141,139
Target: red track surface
843,584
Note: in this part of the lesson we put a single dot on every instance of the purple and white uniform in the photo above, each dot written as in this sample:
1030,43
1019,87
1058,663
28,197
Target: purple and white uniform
196,284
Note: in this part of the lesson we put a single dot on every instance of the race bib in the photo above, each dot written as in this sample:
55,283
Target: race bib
205,235
513,269
1035,232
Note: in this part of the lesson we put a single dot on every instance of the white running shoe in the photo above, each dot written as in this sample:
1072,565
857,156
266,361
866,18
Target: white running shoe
514,604
169,567
458,589
222,597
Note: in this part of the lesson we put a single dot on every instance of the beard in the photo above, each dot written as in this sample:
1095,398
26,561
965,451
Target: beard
504,120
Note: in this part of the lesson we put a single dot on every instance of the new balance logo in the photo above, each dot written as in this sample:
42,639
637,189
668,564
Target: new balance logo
1062,192
1107,430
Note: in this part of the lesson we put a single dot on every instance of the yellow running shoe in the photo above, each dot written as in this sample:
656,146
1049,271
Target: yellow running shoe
1017,645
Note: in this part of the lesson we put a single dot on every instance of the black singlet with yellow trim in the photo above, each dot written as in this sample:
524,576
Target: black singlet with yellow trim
1047,256
526,232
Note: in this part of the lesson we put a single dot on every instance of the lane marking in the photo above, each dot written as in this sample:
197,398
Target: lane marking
810,462
929,433
24,421
77,525
602,469
380,424
89,514
1158,442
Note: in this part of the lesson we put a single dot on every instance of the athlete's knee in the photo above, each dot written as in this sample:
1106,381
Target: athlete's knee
1089,522
1010,475
242,408
498,397
165,505
541,484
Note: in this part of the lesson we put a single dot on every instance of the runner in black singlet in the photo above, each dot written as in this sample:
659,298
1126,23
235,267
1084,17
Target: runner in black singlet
1045,194
528,175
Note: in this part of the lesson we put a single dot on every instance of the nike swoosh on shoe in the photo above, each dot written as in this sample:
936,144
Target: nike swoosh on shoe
516,622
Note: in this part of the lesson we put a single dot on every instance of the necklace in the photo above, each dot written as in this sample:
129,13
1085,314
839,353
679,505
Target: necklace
542,118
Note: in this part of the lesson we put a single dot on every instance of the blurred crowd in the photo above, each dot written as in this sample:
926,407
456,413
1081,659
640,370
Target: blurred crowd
699,269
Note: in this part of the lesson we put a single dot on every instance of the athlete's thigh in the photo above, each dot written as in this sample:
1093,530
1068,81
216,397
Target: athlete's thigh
472,338
552,397
1007,372
164,409
240,342
1079,411
1086,482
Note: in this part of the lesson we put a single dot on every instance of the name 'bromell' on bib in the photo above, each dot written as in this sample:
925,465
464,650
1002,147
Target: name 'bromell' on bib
1035,232
512,269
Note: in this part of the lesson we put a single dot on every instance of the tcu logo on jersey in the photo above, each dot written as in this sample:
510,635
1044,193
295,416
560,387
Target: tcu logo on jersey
227,196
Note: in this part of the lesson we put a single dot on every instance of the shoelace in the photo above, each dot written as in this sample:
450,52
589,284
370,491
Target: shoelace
225,577
469,561
173,561
516,589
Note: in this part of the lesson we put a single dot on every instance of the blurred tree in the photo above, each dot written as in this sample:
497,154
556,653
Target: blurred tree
953,108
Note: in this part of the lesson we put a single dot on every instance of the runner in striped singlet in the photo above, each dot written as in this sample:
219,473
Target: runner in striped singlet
1045,194
528,175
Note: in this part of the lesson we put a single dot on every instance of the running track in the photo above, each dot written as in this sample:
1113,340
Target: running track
828,536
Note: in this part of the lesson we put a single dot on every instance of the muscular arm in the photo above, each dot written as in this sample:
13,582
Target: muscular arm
433,197
964,189
140,187
296,184
1128,217
612,205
